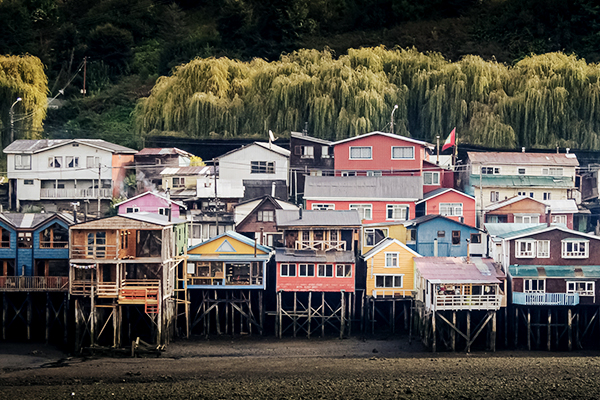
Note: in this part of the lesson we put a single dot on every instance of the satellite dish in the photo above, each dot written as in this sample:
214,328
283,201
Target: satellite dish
272,137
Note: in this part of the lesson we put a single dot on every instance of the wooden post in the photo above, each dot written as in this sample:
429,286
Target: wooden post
516,326
549,329
372,315
410,322
393,316
570,330
48,317
506,327
261,312
217,319
279,305
577,338
362,312
453,332
468,331
66,318
4,312
77,327
528,329
342,312
308,329
93,310
538,327
405,314
227,314
29,314
323,308
493,336
295,318
352,305
433,333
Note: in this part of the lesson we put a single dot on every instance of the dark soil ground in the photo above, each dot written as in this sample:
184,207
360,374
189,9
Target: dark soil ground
258,368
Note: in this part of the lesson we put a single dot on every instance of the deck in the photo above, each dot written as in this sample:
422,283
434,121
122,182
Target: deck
467,302
34,283
546,299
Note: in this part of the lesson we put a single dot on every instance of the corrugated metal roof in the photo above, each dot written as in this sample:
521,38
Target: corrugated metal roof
391,135
554,271
341,218
510,201
520,158
458,270
397,188
148,193
311,256
540,228
505,230
429,217
34,146
148,151
511,181
199,171
562,206
299,135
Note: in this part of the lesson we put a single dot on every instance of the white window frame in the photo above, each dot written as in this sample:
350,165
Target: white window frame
577,243
542,249
451,209
553,171
325,275
586,288
362,210
521,169
325,152
19,161
403,209
133,210
306,270
308,152
547,196
365,152
490,170
163,210
559,219
434,178
348,173
322,206
374,173
394,282
260,215
412,157
345,268
28,182
92,162
392,258
371,231
262,167
529,283
494,196
287,274
527,219
528,252
52,162
72,159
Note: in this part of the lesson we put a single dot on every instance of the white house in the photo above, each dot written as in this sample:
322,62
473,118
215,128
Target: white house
256,161
53,173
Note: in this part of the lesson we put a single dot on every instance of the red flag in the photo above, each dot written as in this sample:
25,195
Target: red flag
451,141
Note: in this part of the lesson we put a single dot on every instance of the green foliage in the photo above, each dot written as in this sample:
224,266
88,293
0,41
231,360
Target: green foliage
112,47
196,161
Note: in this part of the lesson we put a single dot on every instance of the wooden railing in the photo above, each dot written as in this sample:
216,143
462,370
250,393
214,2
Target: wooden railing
34,283
50,193
81,287
107,289
323,245
79,251
546,299
53,245
139,291
467,302
391,293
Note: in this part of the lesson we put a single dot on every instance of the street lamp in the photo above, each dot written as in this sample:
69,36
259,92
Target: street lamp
12,117
392,118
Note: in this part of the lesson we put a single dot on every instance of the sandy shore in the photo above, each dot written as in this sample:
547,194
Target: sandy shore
257,368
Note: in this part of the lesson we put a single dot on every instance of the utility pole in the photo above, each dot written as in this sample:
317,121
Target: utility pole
12,119
99,180
84,74
216,196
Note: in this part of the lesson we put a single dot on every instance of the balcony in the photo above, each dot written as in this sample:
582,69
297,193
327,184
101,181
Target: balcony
467,302
546,299
34,283
392,293
104,251
50,193
47,244
322,245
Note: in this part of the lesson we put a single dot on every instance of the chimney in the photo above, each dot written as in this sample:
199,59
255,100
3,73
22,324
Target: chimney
568,150
522,149
300,212
548,217
273,189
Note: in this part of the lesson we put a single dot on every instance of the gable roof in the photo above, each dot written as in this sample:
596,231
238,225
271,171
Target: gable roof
34,220
334,218
441,191
37,146
156,151
299,135
204,170
380,188
236,236
541,228
430,217
512,200
390,135
521,158
269,146
263,200
386,243
148,193
458,270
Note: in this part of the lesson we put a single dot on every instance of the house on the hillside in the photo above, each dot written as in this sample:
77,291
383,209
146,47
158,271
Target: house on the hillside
181,182
151,202
450,203
438,236
375,232
308,156
149,162
377,199
256,219
52,174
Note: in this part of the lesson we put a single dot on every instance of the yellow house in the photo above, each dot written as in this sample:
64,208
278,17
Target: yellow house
374,233
390,269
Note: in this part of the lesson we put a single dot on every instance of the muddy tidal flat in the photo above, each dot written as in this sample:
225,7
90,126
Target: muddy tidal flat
267,368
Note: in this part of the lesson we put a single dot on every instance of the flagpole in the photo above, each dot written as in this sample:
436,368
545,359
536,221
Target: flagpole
455,150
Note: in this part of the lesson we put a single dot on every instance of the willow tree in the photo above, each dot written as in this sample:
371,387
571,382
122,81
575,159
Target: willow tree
541,101
22,77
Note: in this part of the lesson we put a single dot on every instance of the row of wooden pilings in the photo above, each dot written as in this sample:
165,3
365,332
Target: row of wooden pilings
70,321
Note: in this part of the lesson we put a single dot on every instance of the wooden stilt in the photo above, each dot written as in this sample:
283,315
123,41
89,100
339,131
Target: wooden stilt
410,323
92,317
528,329
323,307
433,333
577,338
372,315
4,313
48,304
570,330
549,341
279,308
261,312
362,312
406,316
538,327
66,318
516,327
469,331
77,327
393,316
295,317
493,337
29,314
352,306
342,314
556,330
453,332
227,306
115,325
310,311
506,327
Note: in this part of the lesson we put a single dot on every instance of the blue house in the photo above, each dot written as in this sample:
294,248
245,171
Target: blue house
34,251
438,236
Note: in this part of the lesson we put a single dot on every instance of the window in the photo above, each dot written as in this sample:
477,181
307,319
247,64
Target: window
403,153
132,210
5,242
265,216
431,178
521,171
348,173
343,271
552,171
559,219
305,151
262,167
92,162
163,210
24,240
178,182
527,219
72,162
306,270
364,210
58,186
288,270
391,260
546,195
455,237
476,238
323,207
525,249
374,173
522,194
411,235
397,212
575,248
543,248
22,161
534,286
325,152
441,234
55,162
360,153
490,170
96,244
375,235
494,196
325,270
27,181
451,209
582,288
531,194
388,281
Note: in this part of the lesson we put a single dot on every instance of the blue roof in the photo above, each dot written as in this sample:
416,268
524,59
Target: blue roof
236,236
506,229
554,271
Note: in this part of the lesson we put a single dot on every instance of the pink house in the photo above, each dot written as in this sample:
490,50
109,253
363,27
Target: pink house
151,202
450,203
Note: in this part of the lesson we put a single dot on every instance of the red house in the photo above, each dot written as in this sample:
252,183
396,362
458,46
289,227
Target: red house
450,203
318,252
381,154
